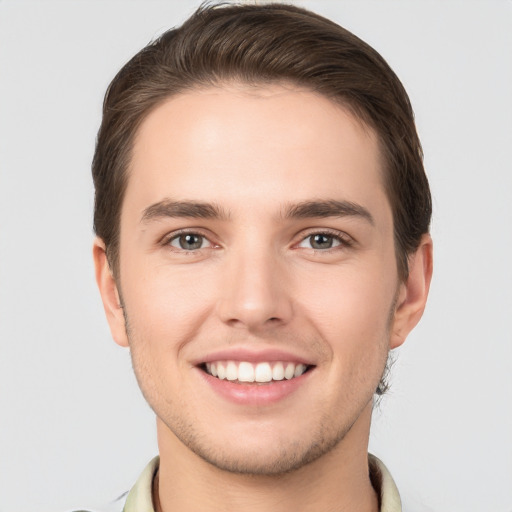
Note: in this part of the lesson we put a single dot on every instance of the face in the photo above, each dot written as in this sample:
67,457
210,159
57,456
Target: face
258,275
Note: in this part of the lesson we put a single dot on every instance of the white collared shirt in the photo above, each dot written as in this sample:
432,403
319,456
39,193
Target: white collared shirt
140,499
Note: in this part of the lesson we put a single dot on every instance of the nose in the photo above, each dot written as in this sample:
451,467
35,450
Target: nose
254,292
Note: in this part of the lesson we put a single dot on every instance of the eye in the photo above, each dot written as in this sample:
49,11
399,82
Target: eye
189,242
321,241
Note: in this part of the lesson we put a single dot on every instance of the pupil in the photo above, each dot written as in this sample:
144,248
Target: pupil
321,241
191,241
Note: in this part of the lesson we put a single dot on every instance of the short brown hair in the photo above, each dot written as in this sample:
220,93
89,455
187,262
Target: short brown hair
258,44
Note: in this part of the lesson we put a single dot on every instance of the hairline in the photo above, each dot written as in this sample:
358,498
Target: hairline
351,108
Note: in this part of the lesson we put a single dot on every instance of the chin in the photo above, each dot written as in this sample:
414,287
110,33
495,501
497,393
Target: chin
263,456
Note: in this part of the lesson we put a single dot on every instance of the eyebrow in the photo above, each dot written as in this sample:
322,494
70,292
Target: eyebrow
183,209
330,208
303,210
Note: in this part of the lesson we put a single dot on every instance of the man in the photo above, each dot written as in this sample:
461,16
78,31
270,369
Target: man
262,218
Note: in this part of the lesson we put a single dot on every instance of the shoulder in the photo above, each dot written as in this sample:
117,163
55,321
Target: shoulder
384,484
114,506
138,499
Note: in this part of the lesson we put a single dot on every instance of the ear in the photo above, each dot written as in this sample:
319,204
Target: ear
109,293
412,294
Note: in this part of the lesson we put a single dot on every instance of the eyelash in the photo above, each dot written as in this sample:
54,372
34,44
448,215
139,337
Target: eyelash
166,241
344,241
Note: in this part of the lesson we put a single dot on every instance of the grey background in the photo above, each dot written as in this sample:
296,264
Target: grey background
74,429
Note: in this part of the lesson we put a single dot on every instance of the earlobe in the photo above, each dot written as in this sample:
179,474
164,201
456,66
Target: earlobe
109,293
413,293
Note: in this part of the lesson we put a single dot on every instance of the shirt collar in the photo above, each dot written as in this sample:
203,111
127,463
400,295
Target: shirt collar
383,483
140,498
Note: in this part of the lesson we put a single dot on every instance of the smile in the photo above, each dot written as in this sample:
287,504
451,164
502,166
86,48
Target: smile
262,372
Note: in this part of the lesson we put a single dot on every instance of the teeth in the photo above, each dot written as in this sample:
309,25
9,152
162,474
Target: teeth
231,371
243,371
278,372
263,372
221,371
299,370
289,372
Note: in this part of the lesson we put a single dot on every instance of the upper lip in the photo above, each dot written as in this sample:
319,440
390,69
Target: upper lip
253,356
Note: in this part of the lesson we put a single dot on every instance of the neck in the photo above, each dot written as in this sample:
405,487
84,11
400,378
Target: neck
337,481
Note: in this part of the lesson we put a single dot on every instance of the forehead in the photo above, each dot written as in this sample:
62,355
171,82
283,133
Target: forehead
251,145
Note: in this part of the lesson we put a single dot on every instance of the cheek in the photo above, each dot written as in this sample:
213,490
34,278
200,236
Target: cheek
349,300
163,315
167,306
350,311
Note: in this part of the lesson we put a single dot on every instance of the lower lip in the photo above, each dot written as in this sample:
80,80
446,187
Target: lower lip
255,394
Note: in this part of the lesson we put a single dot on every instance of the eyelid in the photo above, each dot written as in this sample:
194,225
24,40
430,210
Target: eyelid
165,240
345,239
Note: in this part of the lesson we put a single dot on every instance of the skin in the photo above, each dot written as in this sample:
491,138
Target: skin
257,283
